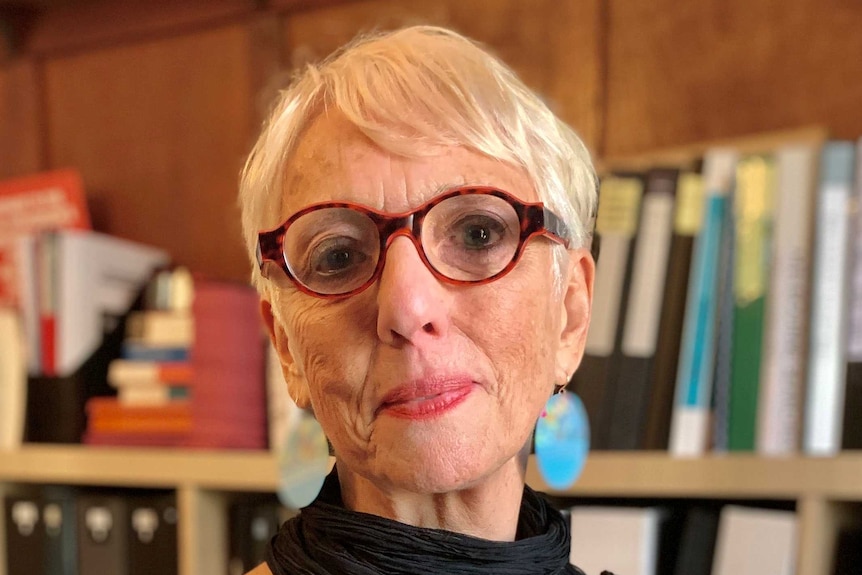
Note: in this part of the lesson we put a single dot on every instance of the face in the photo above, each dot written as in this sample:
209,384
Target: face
422,385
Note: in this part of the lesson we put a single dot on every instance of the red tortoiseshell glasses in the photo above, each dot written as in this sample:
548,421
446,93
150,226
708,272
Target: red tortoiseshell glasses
467,236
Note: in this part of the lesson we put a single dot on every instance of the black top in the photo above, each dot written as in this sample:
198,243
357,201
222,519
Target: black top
328,539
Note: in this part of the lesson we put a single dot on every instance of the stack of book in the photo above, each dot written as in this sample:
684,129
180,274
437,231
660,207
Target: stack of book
727,308
228,361
191,371
153,377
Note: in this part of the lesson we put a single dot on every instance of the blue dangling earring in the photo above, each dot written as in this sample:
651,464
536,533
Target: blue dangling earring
303,462
562,440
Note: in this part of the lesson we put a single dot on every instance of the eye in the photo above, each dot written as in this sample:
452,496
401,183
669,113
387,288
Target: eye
335,256
477,232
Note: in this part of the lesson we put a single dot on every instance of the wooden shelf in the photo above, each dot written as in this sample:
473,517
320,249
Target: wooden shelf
611,474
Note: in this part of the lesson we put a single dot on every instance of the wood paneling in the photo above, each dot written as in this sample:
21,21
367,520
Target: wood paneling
92,23
554,45
20,129
159,131
686,71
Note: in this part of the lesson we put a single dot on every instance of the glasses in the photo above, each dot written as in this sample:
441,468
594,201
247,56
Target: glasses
467,236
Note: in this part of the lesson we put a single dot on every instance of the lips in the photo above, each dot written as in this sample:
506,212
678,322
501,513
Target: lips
426,398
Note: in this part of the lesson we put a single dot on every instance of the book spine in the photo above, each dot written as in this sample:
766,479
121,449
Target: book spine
616,225
783,367
826,369
852,438
643,311
688,217
753,209
690,422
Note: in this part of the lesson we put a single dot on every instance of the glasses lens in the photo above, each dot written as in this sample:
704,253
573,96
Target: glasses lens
471,237
332,250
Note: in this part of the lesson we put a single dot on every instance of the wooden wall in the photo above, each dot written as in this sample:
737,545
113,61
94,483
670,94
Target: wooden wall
157,102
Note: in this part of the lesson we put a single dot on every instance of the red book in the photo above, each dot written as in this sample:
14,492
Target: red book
32,204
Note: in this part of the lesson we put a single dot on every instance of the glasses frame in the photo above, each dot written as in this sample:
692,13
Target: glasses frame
535,219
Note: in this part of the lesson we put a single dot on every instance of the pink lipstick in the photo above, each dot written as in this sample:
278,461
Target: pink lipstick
427,398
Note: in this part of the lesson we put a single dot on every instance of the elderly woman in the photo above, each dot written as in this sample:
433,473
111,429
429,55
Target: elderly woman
426,280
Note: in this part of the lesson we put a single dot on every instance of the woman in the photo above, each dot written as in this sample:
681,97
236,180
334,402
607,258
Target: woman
424,305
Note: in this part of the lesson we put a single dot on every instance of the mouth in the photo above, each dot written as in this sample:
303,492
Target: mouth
426,399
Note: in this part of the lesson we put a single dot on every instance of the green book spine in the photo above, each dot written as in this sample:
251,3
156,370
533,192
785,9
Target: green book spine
753,210
745,374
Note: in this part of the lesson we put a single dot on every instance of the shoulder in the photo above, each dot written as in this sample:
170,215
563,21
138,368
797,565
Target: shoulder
261,569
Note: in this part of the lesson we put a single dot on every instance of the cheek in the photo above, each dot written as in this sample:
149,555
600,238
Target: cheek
327,340
512,322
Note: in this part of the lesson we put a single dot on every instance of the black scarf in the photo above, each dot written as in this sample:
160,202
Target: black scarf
328,539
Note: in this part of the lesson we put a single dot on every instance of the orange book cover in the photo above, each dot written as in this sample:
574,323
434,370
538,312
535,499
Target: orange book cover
31,204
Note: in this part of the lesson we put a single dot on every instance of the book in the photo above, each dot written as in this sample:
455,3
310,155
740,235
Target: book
824,405
616,226
108,415
615,539
13,381
724,329
643,312
153,534
852,433
228,362
25,535
688,215
59,511
753,212
690,417
103,534
848,552
152,395
98,276
31,204
755,541
130,373
161,328
785,349
697,541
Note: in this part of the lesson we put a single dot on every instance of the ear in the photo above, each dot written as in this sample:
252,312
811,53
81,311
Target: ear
297,386
575,311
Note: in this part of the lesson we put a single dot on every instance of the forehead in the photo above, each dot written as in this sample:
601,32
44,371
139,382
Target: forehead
334,161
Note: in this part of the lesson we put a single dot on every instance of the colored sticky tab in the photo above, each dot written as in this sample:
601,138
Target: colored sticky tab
562,440
303,463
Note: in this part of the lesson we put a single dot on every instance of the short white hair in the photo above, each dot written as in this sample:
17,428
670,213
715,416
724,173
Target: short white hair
415,87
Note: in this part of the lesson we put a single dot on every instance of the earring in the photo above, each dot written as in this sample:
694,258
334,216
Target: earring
303,462
562,440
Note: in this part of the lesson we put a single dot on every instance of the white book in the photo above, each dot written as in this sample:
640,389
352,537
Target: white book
622,540
755,542
28,300
161,328
13,380
783,368
827,364
97,276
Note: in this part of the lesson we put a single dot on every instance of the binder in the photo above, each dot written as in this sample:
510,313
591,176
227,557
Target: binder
59,513
103,534
153,534
25,535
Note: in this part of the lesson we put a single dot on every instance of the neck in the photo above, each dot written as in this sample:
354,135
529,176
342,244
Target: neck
487,509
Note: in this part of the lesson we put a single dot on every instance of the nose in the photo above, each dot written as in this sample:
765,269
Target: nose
412,304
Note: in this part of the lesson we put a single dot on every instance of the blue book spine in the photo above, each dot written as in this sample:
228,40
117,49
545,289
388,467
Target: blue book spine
141,352
690,425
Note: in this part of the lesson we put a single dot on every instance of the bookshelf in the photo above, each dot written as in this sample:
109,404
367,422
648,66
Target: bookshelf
67,92
826,491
